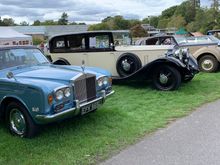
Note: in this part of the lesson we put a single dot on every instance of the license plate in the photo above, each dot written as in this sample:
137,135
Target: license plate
89,108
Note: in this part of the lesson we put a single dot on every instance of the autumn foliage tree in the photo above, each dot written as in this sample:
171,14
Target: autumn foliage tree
138,31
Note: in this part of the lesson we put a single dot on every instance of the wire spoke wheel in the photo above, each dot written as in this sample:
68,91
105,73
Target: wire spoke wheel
166,78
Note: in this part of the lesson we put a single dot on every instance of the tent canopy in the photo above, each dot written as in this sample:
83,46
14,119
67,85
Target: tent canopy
7,33
181,31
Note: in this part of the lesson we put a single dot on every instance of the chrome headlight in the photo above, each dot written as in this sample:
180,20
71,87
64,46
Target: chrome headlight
178,53
59,94
185,53
100,82
105,80
67,92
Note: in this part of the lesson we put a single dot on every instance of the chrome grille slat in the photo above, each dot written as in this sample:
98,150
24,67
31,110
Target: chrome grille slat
85,87
91,88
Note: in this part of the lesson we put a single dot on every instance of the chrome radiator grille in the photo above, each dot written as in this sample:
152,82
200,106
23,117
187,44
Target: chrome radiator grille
85,87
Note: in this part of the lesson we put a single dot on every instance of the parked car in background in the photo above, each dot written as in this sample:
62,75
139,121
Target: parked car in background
204,48
163,64
34,92
215,33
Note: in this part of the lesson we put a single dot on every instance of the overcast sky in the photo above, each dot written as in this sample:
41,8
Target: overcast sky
89,11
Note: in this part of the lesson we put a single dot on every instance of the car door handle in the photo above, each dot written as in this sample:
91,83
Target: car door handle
84,54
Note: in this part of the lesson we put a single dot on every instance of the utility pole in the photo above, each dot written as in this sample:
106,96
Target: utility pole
215,4
195,4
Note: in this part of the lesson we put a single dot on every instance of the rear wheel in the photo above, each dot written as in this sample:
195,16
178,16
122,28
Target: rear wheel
127,64
166,78
19,121
208,63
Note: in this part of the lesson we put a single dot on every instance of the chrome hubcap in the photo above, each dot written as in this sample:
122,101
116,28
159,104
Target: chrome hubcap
126,66
17,121
207,64
163,79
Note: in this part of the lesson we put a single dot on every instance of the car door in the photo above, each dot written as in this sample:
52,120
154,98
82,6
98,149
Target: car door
100,52
69,47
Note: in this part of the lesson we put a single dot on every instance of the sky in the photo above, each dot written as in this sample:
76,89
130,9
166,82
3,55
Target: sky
88,11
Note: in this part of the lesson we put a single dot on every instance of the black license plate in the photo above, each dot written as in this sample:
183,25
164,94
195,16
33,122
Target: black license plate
91,107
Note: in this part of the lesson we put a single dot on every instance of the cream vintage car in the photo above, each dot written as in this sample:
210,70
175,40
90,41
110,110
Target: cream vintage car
165,65
204,48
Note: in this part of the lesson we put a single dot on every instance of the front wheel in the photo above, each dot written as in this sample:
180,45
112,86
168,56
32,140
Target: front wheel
19,121
166,78
208,63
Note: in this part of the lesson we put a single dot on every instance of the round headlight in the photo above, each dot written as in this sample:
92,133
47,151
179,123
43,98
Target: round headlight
178,53
100,82
67,92
59,95
105,80
185,52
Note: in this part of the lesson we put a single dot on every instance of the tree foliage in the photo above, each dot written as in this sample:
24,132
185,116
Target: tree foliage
138,31
7,22
63,20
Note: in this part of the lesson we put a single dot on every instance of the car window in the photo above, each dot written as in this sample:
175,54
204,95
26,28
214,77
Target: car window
59,44
17,57
76,43
99,42
167,41
152,41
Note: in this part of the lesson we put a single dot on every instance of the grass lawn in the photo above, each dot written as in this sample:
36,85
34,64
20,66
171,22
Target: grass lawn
133,112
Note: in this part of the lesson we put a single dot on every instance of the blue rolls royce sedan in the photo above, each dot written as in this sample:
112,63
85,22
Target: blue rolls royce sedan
34,92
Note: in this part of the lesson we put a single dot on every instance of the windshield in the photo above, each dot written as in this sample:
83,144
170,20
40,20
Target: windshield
16,57
196,40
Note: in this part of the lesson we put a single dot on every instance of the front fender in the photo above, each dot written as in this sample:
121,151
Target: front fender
215,51
146,71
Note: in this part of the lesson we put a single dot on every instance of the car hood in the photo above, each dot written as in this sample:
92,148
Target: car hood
48,72
143,47
48,77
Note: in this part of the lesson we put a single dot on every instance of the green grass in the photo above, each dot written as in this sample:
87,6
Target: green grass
134,111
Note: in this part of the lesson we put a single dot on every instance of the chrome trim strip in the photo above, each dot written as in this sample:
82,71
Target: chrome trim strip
77,76
43,119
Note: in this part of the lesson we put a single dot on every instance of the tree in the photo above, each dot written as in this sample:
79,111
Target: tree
49,22
7,22
24,23
100,26
63,20
138,31
177,22
215,4
168,13
162,23
186,10
36,23
195,4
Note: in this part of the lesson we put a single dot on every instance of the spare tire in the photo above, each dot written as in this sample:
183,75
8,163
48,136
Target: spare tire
127,64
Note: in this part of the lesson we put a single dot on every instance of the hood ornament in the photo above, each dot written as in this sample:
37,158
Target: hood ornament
83,66
10,75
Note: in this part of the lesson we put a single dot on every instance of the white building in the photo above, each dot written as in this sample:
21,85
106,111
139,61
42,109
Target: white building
8,36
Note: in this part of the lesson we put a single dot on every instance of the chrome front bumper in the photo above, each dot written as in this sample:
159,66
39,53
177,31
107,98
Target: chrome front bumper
43,119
